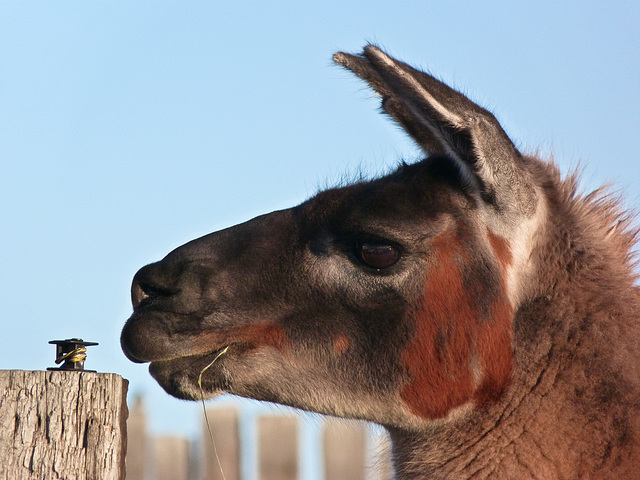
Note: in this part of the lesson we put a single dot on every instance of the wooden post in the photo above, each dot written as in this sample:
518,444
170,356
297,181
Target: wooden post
139,461
344,445
171,454
226,435
278,447
62,425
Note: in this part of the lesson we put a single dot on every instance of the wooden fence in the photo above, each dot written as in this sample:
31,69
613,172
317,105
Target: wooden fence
348,450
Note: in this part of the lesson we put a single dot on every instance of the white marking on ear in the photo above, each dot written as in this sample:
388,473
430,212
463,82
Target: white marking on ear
523,238
469,176
431,100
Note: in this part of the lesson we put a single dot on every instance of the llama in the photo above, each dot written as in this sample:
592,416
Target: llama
472,303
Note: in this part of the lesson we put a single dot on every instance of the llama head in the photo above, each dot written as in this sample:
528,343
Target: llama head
390,300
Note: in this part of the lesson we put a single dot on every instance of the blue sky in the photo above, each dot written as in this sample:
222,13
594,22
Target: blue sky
129,128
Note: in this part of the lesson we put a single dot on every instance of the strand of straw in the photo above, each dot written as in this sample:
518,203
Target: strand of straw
213,443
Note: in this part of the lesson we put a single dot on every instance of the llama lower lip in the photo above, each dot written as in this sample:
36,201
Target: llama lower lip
193,362
179,377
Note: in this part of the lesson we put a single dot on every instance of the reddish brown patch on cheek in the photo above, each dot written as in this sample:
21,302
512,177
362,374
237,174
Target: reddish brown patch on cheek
451,335
495,339
341,344
500,246
494,349
267,334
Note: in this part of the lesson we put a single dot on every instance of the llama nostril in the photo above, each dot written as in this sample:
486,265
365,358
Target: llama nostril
138,294
142,289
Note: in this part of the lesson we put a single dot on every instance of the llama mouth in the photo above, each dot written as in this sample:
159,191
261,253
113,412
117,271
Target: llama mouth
182,377
149,336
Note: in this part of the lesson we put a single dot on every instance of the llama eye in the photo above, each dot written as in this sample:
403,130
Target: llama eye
377,255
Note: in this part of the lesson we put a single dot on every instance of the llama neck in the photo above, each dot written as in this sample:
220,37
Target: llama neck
564,415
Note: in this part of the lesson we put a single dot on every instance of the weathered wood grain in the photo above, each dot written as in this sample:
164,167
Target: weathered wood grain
62,425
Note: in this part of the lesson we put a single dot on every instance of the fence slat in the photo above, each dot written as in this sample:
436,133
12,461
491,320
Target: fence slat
62,424
344,445
278,447
171,455
138,454
226,435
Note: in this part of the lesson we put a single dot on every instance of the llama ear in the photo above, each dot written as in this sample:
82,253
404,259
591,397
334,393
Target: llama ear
443,121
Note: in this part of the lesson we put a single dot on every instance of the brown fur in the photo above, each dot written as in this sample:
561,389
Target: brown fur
572,410
449,333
